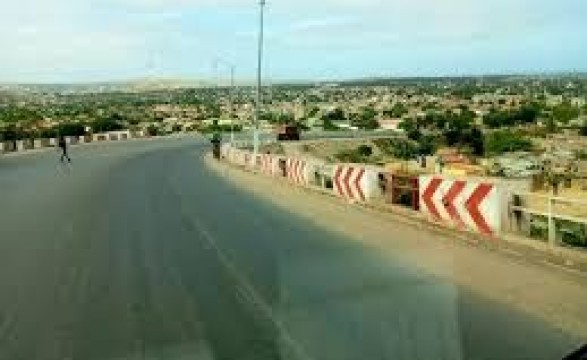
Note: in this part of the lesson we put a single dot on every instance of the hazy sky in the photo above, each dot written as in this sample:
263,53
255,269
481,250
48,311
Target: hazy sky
89,40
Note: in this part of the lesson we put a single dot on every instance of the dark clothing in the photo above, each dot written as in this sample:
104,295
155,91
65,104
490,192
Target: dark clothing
64,154
63,145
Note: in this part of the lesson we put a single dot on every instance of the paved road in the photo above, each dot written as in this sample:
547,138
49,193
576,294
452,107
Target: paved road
247,135
137,251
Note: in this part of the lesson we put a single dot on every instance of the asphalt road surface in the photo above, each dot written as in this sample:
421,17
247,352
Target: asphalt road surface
138,251
266,135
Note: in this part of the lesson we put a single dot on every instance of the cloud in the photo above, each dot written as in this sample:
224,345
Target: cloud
75,39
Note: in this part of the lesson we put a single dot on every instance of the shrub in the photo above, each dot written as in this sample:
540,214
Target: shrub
365,150
504,141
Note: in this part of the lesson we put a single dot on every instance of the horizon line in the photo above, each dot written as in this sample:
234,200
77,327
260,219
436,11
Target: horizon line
278,81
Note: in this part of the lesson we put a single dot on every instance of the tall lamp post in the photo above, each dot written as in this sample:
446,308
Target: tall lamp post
259,77
231,104
232,68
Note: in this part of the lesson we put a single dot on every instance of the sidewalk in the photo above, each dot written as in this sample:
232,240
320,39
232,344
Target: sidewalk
484,267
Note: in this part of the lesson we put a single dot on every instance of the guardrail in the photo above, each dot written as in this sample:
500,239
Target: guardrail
478,205
33,144
560,221
475,205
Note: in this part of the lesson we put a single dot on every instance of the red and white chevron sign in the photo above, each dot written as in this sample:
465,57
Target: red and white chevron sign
295,170
355,182
248,159
467,205
267,164
225,150
242,158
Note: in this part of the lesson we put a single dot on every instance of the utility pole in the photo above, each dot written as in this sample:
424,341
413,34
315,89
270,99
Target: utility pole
259,77
232,69
231,104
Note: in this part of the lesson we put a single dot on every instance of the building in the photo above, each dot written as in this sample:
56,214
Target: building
390,124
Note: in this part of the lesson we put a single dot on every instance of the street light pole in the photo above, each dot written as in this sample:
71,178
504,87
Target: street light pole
231,100
259,77
232,68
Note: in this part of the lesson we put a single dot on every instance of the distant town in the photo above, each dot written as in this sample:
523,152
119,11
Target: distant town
508,125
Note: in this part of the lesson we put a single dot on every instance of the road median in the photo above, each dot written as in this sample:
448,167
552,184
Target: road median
566,259
491,269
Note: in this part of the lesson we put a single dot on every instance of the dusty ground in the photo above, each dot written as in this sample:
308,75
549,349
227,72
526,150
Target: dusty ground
327,149
556,297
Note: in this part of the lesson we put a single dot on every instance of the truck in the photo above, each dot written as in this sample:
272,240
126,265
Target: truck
288,133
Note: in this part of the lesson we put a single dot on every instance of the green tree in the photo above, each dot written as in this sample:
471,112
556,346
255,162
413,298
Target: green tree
405,150
72,129
411,128
551,125
528,113
476,141
19,114
426,145
286,118
397,110
313,112
11,133
503,141
105,125
365,150
366,119
177,128
328,125
48,133
334,115
269,116
583,130
152,130
565,112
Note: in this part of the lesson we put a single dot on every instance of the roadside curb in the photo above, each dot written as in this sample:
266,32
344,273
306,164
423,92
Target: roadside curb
515,248
15,154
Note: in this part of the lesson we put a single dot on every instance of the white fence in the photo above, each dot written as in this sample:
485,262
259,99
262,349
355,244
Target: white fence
485,206
557,220
31,144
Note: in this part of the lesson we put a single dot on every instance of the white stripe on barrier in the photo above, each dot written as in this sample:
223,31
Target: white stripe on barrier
466,205
356,182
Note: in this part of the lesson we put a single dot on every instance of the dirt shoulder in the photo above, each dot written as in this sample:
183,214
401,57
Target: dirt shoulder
557,297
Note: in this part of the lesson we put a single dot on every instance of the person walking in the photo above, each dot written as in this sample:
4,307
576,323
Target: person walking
62,143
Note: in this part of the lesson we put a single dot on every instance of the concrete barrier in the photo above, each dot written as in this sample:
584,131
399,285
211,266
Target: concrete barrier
323,176
239,157
297,171
225,150
270,164
133,134
30,144
357,182
9,146
72,140
480,204
254,161
464,204
5,147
